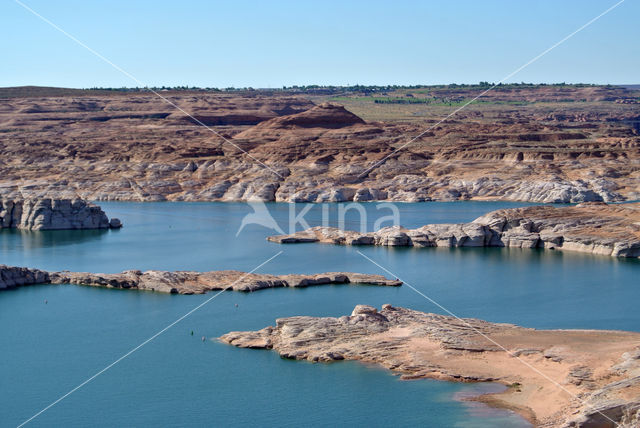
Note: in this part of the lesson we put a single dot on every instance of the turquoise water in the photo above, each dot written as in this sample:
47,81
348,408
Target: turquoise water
178,380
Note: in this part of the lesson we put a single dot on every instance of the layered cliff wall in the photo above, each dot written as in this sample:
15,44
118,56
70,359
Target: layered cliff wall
597,228
51,214
283,147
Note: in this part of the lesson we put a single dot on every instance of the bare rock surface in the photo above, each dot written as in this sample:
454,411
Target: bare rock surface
51,214
597,228
12,277
184,282
294,147
590,385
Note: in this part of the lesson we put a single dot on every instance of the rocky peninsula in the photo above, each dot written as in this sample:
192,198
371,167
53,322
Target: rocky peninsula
53,214
555,378
597,228
184,282
566,143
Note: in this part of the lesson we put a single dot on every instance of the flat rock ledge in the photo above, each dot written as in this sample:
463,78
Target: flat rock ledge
184,282
555,378
53,214
597,228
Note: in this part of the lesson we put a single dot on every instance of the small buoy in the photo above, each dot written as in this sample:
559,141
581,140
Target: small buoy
191,332
203,338
236,305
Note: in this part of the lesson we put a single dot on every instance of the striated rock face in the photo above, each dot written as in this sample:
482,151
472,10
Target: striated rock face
612,230
184,282
49,214
286,147
12,277
323,116
558,377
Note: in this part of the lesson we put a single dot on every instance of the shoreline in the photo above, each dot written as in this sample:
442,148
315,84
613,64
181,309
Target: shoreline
569,381
596,228
185,282
493,400
408,198
489,399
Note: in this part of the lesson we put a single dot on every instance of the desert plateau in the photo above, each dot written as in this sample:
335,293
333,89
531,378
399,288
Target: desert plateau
518,142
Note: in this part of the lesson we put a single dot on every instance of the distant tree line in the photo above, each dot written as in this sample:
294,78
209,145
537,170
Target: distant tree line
350,88
403,100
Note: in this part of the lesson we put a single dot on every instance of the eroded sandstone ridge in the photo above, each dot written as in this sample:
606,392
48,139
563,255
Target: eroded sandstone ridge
184,282
542,144
52,214
597,228
584,378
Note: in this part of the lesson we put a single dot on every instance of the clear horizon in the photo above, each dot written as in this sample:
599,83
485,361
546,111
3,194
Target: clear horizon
251,44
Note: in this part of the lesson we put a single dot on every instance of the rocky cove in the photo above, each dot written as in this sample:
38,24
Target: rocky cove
297,148
556,378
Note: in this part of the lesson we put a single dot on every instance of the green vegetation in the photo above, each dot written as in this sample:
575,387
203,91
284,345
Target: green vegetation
434,101
364,89
399,100
444,101
321,90
516,386
480,85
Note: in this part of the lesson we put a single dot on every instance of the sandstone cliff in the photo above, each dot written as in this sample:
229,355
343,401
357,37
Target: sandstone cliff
50,214
282,147
556,378
184,282
598,228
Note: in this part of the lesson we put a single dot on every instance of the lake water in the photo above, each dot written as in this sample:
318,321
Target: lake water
178,380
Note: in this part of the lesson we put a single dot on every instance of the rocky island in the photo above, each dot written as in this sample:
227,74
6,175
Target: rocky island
53,214
540,143
597,228
555,378
184,282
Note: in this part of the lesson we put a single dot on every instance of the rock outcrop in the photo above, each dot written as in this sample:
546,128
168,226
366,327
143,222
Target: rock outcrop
598,228
323,116
12,277
184,282
52,214
556,378
280,146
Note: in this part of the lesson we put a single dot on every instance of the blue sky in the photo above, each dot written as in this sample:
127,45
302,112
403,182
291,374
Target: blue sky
270,44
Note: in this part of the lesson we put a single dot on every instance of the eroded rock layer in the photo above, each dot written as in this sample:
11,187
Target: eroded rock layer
557,378
51,214
184,282
558,144
597,228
